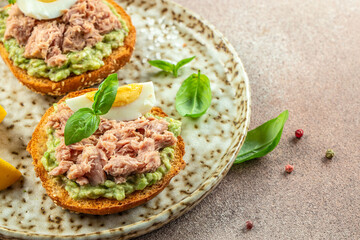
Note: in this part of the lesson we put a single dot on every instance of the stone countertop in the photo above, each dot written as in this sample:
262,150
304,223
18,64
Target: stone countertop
304,56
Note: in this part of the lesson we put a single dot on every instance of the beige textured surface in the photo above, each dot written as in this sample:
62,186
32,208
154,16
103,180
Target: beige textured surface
304,56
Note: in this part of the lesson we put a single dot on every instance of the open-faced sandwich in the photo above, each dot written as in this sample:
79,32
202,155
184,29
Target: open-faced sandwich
57,46
103,165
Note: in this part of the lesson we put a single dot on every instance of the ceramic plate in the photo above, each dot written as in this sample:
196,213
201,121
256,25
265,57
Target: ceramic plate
165,30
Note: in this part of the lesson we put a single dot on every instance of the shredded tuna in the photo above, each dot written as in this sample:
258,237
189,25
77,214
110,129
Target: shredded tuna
55,57
44,43
59,120
18,26
82,181
63,167
116,150
120,165
83,25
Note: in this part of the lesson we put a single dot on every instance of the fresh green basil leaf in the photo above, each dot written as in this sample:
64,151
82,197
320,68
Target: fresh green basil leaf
82,124
12,1
169,67
181,64
263,139
106,94
194,96
163,65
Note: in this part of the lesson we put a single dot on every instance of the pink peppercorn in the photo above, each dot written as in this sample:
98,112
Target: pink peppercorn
289,168
299,133
249,225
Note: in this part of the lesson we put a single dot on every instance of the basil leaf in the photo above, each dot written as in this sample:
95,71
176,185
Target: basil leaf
106,94
163,65
82,124
12,1
194,96
169,67
263,139
181,64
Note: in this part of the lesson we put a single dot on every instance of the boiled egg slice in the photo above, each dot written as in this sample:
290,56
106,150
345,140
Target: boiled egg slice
132,101
44,9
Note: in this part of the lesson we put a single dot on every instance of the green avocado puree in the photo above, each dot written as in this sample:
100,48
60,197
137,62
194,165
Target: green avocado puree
110,189
77,62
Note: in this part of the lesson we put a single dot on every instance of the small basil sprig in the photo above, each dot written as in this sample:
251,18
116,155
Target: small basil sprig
169,67
84,122
263,139
12,1
194,96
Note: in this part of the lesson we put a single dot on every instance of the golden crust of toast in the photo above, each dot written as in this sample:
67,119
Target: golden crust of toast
118,58
101,206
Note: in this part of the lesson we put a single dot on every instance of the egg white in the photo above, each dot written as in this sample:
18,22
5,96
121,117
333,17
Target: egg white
131,111
42,10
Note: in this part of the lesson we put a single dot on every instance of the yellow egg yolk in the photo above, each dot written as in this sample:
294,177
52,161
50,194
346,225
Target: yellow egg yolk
2,113
125,94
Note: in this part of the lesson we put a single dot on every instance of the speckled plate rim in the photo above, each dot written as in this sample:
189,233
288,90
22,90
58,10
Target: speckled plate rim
145,226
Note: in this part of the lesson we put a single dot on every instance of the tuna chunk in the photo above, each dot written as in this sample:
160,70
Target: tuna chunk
55,57
83,25
77,37
92,11
63,152
105,125
147,160
148,157
58,121
18,26
107,143
163,140
63,167
128,147
88,20
118,149
78,170
82,181
96,174
89,165
121,165
44,43
157,125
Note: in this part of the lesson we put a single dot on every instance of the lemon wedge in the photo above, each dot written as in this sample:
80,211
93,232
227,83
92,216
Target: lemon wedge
9,174
2,113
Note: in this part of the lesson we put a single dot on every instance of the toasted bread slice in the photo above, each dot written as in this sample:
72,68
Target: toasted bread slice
118,58
101,206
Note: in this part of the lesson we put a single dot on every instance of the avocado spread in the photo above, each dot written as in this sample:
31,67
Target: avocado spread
109,189
77,62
